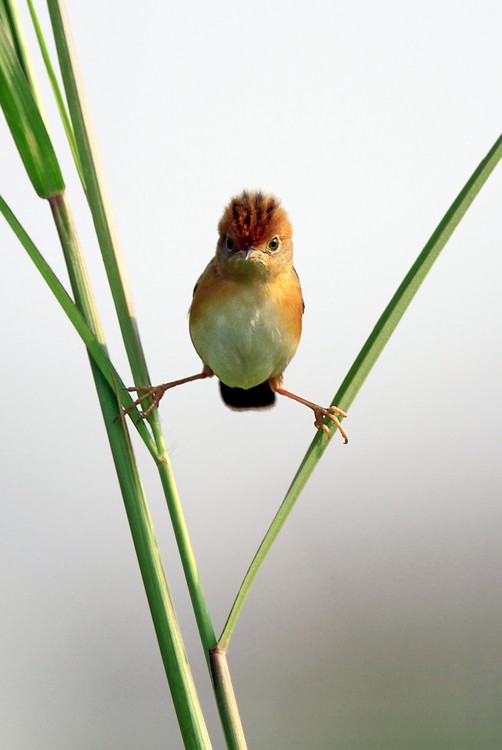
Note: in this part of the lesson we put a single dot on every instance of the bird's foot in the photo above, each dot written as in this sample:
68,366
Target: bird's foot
321,412
155,392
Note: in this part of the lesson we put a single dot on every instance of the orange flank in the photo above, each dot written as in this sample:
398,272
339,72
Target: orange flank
246,314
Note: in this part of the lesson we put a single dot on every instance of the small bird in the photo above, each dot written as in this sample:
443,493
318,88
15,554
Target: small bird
245,319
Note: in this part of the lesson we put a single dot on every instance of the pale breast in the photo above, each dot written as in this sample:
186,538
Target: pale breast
244,339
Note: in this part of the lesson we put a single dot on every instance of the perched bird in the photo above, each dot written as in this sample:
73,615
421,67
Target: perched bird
246,311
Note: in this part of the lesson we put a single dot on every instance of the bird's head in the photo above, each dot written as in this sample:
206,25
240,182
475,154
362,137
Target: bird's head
255,236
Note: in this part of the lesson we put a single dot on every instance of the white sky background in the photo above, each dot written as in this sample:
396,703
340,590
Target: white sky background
376,620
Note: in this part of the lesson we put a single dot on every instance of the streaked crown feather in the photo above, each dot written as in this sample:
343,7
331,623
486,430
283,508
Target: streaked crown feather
252,218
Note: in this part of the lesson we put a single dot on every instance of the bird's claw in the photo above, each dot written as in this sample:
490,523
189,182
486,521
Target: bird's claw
146,391
321,412
155,392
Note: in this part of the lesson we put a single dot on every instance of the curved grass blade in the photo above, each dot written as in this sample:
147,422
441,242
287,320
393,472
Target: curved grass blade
364,363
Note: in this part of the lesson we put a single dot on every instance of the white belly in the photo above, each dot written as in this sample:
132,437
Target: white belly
244,344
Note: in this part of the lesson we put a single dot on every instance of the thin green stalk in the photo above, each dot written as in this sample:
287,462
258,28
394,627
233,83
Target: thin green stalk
97,192
364,363
185,699
108,239
36,150
221,678
94,347
225,695
178,672
110,247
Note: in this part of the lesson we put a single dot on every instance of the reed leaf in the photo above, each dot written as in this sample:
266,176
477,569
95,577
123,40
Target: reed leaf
363,364
26,123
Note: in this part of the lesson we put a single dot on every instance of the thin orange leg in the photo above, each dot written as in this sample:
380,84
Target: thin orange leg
320,412
155,392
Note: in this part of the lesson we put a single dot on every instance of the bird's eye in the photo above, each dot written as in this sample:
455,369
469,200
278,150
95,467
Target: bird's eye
230,244
274,243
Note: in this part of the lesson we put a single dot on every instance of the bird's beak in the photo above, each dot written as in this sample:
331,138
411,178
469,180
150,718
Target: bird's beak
249,252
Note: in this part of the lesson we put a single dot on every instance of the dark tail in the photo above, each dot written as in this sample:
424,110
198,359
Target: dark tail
258,397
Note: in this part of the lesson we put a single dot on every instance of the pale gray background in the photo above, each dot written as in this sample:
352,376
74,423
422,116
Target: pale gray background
376,621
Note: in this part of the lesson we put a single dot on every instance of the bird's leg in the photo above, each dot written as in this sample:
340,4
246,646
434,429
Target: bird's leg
155,392
319,411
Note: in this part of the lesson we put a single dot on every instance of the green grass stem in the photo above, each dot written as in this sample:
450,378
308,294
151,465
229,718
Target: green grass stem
112,258
95,348
18,95
35,148
363,365
99,204
185,699
225,695
97,193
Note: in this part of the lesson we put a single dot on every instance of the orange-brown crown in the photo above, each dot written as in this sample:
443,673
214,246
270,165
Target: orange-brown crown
252,218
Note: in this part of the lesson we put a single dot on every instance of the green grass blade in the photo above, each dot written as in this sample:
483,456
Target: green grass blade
112,258
9,18
110,248
94,347
364,363
26,123
184,694
108,240
186,703
97,193
413,280
60,102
